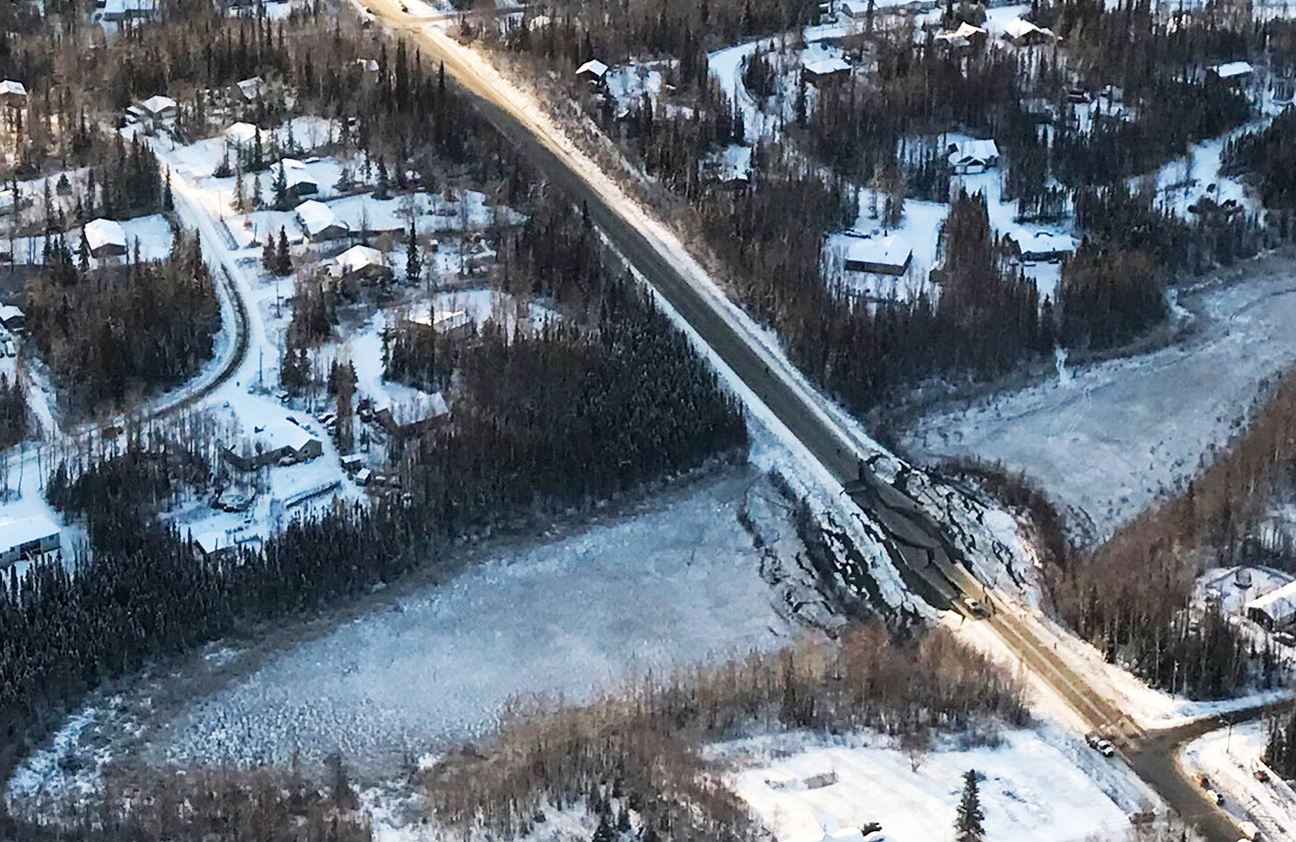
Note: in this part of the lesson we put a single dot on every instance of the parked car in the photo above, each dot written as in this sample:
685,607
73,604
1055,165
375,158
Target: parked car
1092,740
1105,748
1214,797
1202,780
1249,831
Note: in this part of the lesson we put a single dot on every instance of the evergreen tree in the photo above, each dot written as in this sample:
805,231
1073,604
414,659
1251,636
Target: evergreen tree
283,258
281,187
968,818
604,832
413,262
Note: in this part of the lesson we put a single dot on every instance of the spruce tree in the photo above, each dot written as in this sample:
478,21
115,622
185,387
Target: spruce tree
281,187
967,821
413,263
283,258
604,832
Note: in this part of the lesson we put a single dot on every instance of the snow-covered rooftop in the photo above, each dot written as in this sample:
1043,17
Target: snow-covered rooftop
357,258
11,88
158,104
1043,242
16,532
241,134
104,232
890,250
9,311
974,150
827,66
1020,28
593,67
252,88
316,217
280,433
295,172
128,8
1233,69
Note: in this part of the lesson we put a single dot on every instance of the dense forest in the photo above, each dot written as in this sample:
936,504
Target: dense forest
14,418
113,333
640,748
1280,747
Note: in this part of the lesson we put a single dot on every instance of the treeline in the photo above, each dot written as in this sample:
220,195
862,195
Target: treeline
113,333
1280,745
641,748
1131,596
640,405
14,417
1269,154
199,804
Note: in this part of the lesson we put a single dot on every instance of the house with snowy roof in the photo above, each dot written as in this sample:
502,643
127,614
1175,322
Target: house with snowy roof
973,156
277,441
885,255
966,37
27,538
1040,246
127,10
240,135
106,238
1233,72
823,71
319,222
158,109
361,264
855,9
13,94
296,176
12,318
1022,33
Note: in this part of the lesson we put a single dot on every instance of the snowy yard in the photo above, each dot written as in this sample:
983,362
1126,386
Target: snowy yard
1038,787
1107,439
1226,757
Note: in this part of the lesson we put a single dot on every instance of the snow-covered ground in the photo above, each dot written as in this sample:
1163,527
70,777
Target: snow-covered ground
1038,786
1227,758
665,586
1108,438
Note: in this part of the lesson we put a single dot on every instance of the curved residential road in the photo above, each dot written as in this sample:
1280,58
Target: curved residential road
924,555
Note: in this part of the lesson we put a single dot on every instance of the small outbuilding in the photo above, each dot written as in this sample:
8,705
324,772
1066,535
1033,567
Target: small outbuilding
966,37
128,10
241,135
319,222
593,72
886,255
856,9
106,238
27,538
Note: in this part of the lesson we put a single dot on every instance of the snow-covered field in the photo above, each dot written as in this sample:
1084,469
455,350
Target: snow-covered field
1039,786
1106,439
668,585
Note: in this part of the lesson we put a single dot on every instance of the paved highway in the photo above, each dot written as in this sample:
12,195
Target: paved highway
926,558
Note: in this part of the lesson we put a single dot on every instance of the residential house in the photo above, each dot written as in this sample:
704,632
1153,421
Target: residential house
128,10
158,109
12,319
973,156
106,238
1275,608
1233,72
1023,33
966,37
362,264
27,538
319,222
856,9
13,94
593,72
298,179
1040,246
820,72
241,135
277,442
885,255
